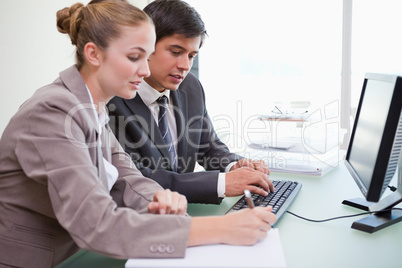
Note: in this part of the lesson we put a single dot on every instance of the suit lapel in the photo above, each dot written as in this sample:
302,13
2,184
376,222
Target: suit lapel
74,82
144,118
179,99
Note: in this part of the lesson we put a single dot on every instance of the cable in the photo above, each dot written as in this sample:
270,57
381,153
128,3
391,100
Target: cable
342,217
392,188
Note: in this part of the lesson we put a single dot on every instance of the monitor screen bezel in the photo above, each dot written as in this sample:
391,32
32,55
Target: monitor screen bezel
375,190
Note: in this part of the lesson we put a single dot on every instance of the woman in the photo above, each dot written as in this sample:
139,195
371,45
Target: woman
65,183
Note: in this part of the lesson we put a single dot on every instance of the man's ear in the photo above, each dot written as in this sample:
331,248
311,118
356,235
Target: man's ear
93,54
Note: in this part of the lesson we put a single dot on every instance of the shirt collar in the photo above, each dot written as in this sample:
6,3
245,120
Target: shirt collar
149,95
102,117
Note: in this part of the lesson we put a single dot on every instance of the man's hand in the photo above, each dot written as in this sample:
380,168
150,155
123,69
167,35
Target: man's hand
247,178
253,164
168,202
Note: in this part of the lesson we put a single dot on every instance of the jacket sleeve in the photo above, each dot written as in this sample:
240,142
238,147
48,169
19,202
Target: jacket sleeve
198,187
213,154
81,203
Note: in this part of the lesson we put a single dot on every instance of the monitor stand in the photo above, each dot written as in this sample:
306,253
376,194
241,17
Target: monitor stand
359,203
385,217
378,221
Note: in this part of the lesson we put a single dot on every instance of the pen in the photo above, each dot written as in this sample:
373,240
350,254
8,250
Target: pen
250,202
276,107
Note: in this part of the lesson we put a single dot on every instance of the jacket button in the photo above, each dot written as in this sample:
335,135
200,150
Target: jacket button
153,248
170,249
162,248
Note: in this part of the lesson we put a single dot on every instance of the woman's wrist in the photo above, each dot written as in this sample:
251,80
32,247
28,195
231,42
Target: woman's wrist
206,231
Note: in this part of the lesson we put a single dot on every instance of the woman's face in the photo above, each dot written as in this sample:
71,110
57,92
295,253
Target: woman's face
124,64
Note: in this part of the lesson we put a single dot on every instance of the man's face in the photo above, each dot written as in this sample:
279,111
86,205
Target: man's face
171,61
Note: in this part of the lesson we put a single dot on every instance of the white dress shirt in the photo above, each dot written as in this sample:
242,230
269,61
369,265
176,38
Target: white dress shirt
103,118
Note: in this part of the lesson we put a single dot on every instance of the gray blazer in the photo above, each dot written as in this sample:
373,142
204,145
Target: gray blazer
137,132
53,187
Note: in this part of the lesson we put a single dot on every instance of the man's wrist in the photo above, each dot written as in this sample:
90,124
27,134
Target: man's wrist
221,185
228,167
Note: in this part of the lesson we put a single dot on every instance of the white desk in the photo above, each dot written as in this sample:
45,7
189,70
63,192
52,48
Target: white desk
308,244
328,244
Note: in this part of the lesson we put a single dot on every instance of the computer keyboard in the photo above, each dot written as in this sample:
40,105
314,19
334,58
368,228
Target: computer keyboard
280,200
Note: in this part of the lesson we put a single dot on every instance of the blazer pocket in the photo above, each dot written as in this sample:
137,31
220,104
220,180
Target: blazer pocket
20,254
32,231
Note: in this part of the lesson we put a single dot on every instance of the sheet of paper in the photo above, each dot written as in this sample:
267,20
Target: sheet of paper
265,254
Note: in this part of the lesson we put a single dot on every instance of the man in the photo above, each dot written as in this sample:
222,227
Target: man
140,123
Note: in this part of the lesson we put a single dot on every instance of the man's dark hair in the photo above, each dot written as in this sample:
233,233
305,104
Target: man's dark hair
175,17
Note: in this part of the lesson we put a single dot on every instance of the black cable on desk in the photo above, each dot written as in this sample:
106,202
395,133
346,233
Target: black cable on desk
342,217
392,188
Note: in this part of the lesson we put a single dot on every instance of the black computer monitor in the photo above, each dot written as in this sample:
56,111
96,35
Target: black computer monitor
374,150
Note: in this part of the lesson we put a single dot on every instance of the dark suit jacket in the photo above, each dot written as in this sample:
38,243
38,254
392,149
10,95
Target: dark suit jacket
53,187
138,133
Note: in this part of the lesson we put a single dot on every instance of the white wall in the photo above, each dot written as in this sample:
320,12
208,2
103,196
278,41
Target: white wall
32,51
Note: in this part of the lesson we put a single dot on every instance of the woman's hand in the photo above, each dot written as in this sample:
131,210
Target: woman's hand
246,227
168,202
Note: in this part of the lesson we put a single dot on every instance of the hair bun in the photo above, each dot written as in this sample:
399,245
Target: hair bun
68,21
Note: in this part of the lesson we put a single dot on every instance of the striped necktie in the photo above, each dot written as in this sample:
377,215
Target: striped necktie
165,131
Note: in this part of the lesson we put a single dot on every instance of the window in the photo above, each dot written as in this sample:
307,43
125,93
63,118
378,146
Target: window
376,42
266,53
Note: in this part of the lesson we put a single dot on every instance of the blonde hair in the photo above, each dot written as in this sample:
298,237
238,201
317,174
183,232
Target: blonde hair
98,22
